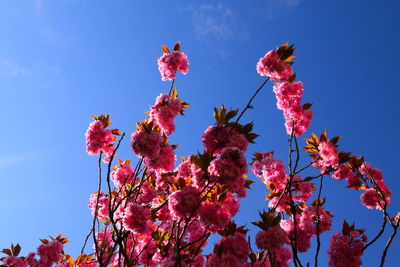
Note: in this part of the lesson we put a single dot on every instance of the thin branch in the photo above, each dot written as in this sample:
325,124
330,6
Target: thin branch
378,235
172,87
318,221
385,250
251,99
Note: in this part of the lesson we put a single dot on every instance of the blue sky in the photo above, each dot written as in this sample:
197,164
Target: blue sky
62,61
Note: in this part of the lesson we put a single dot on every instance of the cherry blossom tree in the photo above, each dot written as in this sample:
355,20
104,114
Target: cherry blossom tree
157,211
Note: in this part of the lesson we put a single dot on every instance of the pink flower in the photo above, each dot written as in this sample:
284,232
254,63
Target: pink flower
136,217
50,253
13,261
345,251
297,120
288,94
309,218
146,143
213,215
102,204
169,64
272,66
370,199
164,161
184,203
270,170
164,111
98,139
123,174
271,239
328,154
215,138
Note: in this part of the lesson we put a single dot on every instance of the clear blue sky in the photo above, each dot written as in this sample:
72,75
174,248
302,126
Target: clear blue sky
62,61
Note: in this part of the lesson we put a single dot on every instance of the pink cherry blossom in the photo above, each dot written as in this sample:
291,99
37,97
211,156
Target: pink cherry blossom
272,66
164,111
169,64
136,217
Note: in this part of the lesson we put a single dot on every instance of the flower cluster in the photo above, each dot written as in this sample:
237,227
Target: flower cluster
169,63
98,139
164,111
274,66
298,117
159,214
346,248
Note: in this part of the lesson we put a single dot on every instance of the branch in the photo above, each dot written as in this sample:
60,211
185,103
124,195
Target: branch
251,99
385,250
318,220
378,235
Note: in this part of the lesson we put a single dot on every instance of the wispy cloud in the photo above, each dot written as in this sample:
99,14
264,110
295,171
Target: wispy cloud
58,39
274,8
215,22
8,68
9,160
38,6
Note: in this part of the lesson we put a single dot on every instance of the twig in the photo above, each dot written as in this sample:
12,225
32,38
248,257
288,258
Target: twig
251,99
385,250
172,87
378,235
318,221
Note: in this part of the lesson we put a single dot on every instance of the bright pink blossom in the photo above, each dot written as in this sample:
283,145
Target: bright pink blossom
98,139
123,174
272,66
215,138
271,239
50,253
183,203
345,251
146,143
136,217
169,64
102,204
164,111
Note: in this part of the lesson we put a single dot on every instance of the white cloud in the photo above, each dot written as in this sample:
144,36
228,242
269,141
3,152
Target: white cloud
8,68
275,7
38,6
215,22
6,161
57,39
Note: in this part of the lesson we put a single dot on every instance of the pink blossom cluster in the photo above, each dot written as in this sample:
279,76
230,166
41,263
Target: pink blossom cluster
271,239
102,202
170,63
297,118
346,250
231,251
216,138
164,111
228,169
183,203
216,215
136,218
272,172
98,139
377,196
327,157
49,254
272,66
152,147
122,174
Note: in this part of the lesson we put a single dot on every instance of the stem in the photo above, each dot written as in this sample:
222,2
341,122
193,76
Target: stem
385,250
99,258
172,87
318,221
251,99
378,235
